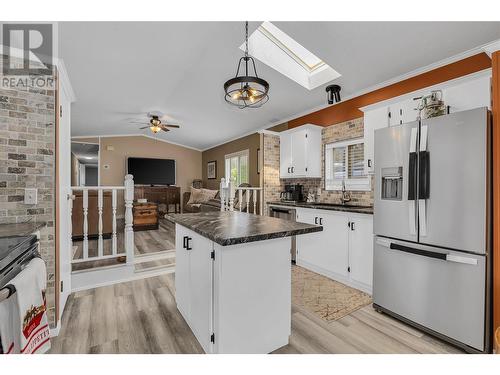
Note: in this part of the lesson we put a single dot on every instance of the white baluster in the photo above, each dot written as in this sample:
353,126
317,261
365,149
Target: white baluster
85,224
247,194
230,191
113,236
255,195
240,194
222,194
129,231
99,212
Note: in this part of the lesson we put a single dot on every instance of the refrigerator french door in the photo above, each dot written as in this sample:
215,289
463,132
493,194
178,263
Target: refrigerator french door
431,221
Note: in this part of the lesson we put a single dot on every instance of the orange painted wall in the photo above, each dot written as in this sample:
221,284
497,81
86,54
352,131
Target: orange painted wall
496,186
349,110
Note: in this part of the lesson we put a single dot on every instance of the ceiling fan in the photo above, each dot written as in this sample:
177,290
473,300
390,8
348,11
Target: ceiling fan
155,124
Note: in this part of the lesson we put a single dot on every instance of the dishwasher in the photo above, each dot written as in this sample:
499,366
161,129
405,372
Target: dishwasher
286,214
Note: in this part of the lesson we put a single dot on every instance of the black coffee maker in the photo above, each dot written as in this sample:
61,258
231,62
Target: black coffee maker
293,192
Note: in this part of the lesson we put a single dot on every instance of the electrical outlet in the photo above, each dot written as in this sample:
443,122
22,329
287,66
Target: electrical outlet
30,196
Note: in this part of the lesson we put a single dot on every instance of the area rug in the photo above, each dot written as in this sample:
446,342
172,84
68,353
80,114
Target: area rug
328,299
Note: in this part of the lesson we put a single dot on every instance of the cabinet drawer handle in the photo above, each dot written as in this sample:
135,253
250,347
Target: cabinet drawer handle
352,225
316,220
187,244
320,221
292,169
184,242
369,163
288,169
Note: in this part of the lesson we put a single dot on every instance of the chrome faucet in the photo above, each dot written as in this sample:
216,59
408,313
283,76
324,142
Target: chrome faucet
346,196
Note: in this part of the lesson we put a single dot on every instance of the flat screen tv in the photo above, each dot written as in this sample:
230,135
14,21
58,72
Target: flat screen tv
152,171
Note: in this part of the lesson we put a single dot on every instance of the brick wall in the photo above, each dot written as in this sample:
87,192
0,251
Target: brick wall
335,133
27,139
271,168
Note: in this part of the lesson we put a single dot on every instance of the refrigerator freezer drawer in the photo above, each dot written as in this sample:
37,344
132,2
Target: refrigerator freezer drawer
439,289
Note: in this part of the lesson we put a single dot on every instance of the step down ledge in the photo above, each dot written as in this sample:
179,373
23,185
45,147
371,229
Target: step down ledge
154,256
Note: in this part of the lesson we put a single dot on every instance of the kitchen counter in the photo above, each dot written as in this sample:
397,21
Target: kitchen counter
326,206
20,229
231,228
233,279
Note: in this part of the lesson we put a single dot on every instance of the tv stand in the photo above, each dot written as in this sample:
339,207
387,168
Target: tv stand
162,195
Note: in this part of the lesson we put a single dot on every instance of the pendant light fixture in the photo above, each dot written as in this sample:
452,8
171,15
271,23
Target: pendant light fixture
246,91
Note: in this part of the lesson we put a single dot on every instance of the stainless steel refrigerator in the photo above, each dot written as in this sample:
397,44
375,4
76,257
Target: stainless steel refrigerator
432,212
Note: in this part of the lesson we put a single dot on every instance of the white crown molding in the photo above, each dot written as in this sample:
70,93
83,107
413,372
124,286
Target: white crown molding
492,47
134,135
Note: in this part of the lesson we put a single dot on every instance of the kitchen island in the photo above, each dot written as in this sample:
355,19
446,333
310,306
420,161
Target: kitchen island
233,279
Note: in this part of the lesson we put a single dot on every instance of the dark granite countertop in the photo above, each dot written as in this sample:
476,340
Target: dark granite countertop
231,228
20,229
326,206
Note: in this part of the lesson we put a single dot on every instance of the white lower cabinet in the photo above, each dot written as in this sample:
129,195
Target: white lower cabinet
237,298
343,251
193,282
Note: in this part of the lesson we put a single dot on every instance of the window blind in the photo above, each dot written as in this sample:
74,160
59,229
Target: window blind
355,162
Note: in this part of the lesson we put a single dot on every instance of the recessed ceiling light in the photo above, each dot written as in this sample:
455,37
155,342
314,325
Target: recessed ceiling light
88,157
281,52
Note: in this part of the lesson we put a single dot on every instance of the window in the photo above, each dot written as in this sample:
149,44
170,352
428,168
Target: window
237,167
281,52
344,162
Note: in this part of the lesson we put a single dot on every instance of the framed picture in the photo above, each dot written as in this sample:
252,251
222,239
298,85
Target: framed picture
259,158
212,170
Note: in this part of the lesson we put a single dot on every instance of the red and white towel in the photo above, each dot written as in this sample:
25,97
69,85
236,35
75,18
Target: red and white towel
24,326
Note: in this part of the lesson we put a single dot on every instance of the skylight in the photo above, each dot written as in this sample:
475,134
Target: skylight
276,49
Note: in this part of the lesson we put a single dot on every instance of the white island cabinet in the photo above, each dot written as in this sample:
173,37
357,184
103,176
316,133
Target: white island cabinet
235,294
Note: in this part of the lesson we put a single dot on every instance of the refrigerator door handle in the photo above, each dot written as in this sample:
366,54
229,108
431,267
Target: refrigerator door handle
422,217
412,181
459,259
411,250
424,181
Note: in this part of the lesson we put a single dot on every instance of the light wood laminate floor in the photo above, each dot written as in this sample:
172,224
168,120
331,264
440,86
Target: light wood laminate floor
141,317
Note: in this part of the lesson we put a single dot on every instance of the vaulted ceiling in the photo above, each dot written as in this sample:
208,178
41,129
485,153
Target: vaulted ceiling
121,70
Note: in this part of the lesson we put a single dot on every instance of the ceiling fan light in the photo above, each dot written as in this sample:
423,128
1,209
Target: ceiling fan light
155,128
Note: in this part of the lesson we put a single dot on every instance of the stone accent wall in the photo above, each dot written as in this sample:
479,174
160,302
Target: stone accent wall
335,133
27,160
271,169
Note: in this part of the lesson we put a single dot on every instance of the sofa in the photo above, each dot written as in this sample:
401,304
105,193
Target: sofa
212,204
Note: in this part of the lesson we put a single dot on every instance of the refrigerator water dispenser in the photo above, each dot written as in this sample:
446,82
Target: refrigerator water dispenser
392,183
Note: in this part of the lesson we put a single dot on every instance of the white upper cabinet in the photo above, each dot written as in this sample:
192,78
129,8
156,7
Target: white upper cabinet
300,152
285,156
374,119
459,95
468,95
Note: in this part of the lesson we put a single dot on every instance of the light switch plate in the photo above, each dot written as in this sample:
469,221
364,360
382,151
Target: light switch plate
30,196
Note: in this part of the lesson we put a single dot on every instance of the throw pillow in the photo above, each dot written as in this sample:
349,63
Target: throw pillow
196,196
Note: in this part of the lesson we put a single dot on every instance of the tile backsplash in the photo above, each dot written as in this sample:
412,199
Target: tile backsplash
339,132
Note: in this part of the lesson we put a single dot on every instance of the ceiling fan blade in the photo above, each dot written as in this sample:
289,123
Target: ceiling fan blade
172,126
165,129
145,127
